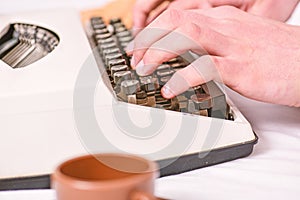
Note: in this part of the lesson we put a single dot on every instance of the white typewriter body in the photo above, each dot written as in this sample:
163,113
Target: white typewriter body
37,123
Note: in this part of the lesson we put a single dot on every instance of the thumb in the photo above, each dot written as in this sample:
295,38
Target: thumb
200,71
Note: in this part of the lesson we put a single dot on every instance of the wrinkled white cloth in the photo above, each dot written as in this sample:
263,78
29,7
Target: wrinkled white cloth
272,171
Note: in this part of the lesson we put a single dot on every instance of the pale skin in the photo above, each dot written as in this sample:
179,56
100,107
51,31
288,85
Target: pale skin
255,56
274,9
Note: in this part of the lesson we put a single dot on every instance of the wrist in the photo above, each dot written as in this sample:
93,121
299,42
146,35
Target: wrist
274,9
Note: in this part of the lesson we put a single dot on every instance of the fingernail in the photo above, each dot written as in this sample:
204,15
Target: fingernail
140,68
132,62
167,93
129,48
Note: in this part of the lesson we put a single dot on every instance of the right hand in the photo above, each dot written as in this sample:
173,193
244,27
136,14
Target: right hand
255,56
145,11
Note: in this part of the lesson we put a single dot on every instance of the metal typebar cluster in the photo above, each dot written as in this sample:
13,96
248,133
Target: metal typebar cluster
23,44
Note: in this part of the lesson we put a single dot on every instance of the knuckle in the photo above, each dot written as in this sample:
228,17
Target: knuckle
226,10
193,30
175,16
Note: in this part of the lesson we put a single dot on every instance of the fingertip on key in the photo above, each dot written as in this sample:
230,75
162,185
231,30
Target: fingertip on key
140,68
167,92
132,62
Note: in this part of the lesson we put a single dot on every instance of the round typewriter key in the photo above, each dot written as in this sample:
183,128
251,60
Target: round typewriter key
112,57
125,39
174,60
178,65
124,44
102,36
101,31
123,34
129,87
116,62
141,97
120,28
98,26
105,41
107,46
110,51
164,67
115,20
164,80
162,73
202,101
141,94
149,83
95,20
121,76
118,68
189,93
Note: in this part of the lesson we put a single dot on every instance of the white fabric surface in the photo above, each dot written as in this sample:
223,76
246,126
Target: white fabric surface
272,171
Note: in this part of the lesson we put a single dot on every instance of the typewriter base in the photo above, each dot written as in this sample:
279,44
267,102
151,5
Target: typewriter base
182,164
37,113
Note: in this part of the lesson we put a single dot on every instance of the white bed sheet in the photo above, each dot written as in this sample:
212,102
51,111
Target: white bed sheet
272,171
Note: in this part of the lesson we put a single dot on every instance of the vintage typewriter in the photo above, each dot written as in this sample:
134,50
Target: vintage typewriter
60,78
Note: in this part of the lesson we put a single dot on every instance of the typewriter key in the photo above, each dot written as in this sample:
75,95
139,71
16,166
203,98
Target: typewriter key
125,39
101,31
149,83
163,73
121,76
202,101
123,34
129,87
116,62
98,26
107,46
111,57
96,20
141,97
118,68
115,21
131,99
163,80
164,67
178,65
105,41
102,36
110,51
120,28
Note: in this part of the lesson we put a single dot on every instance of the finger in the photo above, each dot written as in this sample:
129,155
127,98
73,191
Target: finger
227,20
236,3
222,12
204,69
163,25
160,27
180,5
201,40
189,4
129,48
158,11
141,11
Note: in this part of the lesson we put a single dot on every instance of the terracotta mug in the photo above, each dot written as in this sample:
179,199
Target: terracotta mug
105,177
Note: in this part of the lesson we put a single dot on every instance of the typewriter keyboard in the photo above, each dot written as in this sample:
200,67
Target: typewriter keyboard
111,40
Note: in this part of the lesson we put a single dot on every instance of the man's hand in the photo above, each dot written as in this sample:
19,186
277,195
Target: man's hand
255,56
145,11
